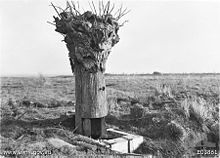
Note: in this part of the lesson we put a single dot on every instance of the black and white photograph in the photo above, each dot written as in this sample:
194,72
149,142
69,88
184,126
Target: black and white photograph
109,78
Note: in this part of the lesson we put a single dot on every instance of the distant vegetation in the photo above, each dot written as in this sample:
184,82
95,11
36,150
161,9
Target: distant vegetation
157,73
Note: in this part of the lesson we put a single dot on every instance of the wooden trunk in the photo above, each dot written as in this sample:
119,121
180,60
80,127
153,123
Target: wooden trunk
89,38
90,100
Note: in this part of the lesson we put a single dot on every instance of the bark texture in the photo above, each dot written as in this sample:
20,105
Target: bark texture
90,93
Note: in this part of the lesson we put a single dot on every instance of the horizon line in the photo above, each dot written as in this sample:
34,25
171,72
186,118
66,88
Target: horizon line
156,73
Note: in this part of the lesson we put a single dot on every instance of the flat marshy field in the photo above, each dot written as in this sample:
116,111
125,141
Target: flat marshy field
174,113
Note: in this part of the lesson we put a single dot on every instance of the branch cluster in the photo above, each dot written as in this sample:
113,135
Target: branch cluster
89,35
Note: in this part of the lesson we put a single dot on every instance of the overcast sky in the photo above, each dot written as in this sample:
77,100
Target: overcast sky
165,36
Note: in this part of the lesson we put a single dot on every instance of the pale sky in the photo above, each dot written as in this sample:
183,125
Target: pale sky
165,36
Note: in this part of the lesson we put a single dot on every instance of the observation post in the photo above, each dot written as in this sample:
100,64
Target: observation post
89,37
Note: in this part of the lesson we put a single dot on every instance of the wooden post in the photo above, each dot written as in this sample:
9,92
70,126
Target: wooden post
89,38
90,101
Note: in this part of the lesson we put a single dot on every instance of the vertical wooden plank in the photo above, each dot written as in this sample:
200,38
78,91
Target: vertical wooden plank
103,128
98,127
86,127
78,94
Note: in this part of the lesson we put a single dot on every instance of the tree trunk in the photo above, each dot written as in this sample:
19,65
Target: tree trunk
90,99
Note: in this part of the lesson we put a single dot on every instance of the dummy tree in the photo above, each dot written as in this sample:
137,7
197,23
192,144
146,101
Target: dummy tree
89,37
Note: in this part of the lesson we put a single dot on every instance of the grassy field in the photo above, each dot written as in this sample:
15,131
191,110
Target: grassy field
174,113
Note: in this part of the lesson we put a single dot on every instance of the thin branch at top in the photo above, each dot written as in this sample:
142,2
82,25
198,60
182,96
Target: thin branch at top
101,9
94,7
55,9
74,7
91,8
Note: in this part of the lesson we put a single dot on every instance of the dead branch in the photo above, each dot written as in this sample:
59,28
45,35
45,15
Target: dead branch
91,7
99,8
51,23
94,7
123,13
69,6
112,9
123,23
74,7
55,9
